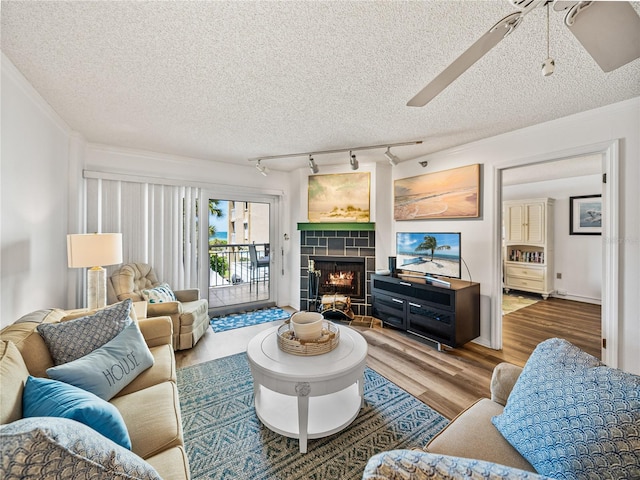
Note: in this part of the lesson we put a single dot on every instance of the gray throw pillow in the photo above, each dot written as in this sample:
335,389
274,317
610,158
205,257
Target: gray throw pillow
60,448
68,341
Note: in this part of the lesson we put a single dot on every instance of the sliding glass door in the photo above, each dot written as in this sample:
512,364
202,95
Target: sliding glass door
240,253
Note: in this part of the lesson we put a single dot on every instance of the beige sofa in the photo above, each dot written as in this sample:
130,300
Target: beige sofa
189,314
149,405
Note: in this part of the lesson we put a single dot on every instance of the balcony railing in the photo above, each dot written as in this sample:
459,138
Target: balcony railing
231,264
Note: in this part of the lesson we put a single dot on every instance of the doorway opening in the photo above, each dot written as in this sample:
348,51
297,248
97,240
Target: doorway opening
239,255
608,152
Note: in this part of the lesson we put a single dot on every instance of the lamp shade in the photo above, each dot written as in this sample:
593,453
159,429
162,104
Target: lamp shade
94,249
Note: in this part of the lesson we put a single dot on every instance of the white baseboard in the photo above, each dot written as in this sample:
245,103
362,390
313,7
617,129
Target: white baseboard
578,298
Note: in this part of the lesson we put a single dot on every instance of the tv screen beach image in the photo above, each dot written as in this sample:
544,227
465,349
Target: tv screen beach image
429,253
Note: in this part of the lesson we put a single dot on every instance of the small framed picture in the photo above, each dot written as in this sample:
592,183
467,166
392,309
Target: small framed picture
585,215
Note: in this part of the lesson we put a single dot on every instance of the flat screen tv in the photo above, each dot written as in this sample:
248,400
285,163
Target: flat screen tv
429,254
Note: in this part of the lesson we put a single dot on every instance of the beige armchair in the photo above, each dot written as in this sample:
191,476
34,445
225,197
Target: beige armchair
189,315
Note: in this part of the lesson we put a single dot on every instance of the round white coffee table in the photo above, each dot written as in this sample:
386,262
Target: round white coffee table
326,391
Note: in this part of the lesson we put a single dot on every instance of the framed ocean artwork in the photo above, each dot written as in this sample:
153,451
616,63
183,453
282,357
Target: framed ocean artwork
340,197
453,193
585,215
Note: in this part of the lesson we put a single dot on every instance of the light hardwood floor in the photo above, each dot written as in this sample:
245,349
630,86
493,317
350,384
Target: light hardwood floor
448,380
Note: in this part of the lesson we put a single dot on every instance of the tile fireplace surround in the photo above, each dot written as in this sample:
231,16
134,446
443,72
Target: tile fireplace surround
338,243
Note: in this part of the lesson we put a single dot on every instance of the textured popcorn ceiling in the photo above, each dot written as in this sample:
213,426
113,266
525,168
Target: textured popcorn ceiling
232,80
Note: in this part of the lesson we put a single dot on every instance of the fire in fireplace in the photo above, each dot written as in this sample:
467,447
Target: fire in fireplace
340,275
342,279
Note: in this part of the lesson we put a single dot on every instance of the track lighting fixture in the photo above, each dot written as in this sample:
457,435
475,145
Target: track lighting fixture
423,163
261,168
312,165
393,160
353,161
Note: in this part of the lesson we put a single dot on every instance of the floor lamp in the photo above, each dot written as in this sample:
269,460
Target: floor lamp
95,250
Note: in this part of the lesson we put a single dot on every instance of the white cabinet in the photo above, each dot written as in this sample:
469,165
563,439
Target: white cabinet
528,262
525,221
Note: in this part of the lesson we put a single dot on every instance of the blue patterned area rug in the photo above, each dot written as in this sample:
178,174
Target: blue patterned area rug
224,438
238,320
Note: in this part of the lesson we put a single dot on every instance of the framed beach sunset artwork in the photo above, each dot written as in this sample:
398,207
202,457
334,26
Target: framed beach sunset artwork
341,197
453,193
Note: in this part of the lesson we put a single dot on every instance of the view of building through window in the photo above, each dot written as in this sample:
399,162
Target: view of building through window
239,249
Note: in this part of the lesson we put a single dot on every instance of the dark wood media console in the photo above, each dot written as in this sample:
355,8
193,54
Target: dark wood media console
445,315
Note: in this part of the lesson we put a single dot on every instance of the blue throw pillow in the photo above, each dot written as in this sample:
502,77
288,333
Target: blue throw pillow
572,417
43,397
68,341
110,368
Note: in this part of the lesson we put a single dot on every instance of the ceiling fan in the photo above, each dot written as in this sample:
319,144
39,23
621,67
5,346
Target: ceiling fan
609,31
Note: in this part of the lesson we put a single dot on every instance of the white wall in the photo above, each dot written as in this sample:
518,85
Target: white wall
34,204
577,257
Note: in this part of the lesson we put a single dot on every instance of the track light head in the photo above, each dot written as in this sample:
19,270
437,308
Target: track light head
352,161
262,169
423,163
393,160
312,165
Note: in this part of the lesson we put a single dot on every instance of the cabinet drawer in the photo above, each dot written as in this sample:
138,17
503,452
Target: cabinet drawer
424,311
525,283
524,271
430,323
389,309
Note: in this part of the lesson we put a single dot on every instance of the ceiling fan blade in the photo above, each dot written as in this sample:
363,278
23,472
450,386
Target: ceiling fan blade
561,5
466,60
609,31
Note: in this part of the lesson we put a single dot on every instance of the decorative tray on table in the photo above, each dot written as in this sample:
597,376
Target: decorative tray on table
328,340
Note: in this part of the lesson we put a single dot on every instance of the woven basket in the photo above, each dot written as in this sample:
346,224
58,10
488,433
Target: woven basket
287,341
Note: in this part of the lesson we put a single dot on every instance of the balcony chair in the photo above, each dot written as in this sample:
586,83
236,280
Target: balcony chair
189,314
257,263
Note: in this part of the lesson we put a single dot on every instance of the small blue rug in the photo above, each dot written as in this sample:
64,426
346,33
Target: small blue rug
238,320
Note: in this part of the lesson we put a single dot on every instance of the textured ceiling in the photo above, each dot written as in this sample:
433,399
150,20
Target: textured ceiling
231,80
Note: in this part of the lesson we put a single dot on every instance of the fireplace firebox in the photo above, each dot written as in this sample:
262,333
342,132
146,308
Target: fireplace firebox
340,275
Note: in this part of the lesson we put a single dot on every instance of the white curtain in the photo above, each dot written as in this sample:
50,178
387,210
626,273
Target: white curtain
159,225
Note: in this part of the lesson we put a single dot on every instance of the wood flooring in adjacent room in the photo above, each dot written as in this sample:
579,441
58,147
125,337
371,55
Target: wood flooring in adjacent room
450,380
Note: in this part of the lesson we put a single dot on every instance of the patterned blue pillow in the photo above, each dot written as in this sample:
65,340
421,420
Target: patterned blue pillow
68,341
63,449
572,417
160,294
418,465
110,368
43,397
